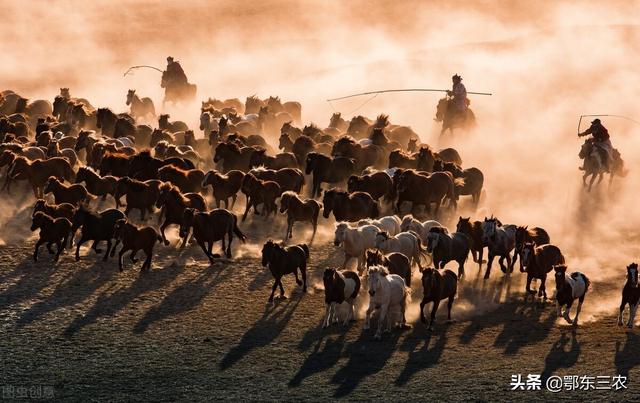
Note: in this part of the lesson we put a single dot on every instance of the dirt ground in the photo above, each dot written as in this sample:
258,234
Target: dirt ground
187,330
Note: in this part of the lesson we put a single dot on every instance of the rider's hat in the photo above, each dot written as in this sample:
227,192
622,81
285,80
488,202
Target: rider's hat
595,122
169,58
456,77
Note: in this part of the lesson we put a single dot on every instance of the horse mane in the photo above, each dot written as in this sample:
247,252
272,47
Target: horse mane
233,147
381,270
289,194
110,154
346,139
438,230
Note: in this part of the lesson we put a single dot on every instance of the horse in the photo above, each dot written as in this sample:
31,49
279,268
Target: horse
210,227
500,240
288,178
186,180
73,194
368,155
376,184
409,223
259,191
437,286
133,239
173,203
388,294
568,289
594,165
390,224
63,210
447,247
140,108
280,160
299,210
339,287
96,184
470,180
425,189
536,235
355,242
52,230
451,118
473,230
139,195
349,206
630,295
395,262
233,157
96,227
407,243
38,172
285,260
171,127
538,261
224,186
328,170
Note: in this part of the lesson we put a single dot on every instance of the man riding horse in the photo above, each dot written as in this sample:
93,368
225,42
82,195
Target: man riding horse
453,111
175,82
601,142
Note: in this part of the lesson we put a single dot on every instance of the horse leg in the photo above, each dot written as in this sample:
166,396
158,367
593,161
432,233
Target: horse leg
460,269
35,251
480,254
528,286
449,306
246,209
273,289
60,246
233,200
106,254
513,261
423,318
593,178
327,314
543,288
281,288
474,255
381,318
489,263
558,308
632,315
80,242
436,303
120,258
367,316
230,235
303,273
502,266
622,304
565,315
578,309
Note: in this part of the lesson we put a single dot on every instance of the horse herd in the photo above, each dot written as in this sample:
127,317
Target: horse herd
76,158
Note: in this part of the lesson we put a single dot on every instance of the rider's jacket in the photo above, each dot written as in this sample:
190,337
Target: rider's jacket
598,131
175,74
459,96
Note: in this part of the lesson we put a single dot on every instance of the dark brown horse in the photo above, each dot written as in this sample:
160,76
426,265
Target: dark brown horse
396,262
133,239
224,186
173,203
285,260
233,157
299,210
278,161
473,230
424,189
328,170
260,192
96,184
210,227
377,184
186,180
52,230
437,286
349,206
538,262
536,235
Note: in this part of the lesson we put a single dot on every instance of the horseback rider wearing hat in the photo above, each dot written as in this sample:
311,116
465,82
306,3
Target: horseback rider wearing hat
174,77
601,140
459,94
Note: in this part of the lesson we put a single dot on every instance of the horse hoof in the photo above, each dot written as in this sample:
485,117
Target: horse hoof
166,242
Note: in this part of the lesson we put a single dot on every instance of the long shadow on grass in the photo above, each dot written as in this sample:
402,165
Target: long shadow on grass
559,356
184,297
273,321
629,356
425,357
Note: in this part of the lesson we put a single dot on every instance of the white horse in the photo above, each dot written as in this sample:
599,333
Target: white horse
407,243
500,240
421,228
355,241
387,292
390,224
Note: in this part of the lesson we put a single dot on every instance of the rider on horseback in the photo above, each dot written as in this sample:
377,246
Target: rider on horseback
459,94
174,77
601,141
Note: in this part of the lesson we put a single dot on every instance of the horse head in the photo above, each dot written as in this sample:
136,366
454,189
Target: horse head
560,274
374,278
130,95
441,109
632,274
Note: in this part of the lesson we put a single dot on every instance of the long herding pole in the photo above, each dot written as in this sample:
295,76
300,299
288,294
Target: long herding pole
139,67
605,115
402,90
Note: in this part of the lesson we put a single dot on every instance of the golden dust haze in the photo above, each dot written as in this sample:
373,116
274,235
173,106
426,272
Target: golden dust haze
546,62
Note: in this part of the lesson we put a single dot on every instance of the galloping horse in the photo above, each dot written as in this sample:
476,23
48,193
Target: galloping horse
452,119
177,94
594,165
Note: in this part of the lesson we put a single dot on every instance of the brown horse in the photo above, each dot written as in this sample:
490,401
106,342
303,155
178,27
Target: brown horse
536,235
224,186
38,172
285,260
72,194
52,230
437,286
140,107
470,180
63,210
396,262
186,180
377,184
299,210
260,192
139,195
233,157
328,170
210,227
473,230
538,262
426,189
369,155
451,118
133,239
349,206
288,178
96,184
278,161
173,203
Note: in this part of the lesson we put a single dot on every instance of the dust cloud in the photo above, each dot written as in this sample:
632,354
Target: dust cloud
546,63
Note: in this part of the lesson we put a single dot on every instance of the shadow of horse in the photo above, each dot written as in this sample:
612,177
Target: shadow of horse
559,357
321,359
110,304
365,358
629,356
77,287
183,298
29,284
273,321
425,357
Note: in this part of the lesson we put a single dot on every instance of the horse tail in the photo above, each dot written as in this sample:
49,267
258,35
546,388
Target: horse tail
587,282
237,231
